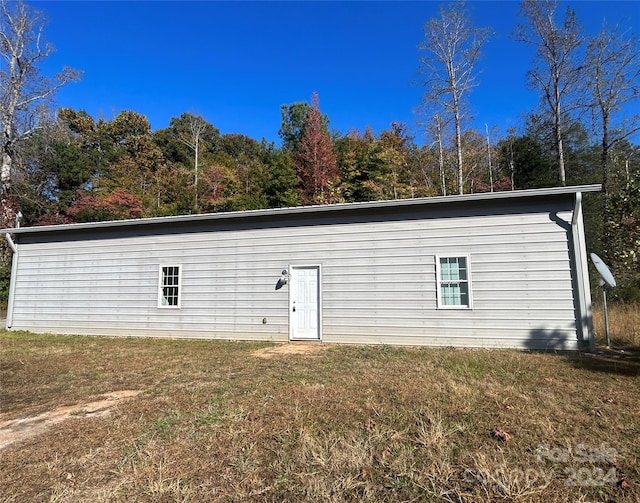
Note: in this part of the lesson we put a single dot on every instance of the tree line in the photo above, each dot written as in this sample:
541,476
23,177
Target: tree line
64,166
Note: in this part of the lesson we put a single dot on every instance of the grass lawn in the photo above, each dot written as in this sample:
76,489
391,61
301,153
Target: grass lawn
218,421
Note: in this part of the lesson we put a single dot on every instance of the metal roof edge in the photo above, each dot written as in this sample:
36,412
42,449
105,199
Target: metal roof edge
459,198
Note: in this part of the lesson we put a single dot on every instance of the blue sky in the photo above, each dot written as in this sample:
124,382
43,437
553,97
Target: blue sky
236,63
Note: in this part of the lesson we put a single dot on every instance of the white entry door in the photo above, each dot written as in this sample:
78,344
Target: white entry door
304,303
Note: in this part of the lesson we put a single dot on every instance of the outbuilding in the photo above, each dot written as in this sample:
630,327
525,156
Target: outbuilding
502,269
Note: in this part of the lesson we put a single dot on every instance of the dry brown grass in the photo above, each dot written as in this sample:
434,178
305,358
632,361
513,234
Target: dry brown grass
624,323
349,423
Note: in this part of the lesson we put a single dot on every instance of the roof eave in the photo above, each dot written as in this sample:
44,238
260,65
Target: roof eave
481,196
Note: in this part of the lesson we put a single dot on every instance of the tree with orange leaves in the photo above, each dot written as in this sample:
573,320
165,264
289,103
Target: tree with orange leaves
315,159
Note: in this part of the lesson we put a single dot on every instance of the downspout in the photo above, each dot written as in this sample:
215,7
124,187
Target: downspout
12,245
12,280
584,321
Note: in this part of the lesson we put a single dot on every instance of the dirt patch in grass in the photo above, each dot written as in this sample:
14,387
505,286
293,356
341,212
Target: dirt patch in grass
291,348
355,423
15,430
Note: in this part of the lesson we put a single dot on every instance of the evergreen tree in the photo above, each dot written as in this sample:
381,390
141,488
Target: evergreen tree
279,184
524,157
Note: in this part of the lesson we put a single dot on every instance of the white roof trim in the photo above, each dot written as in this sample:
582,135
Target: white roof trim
466,198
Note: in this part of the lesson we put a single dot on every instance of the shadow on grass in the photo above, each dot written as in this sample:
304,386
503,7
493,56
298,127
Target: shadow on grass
611,360
621,361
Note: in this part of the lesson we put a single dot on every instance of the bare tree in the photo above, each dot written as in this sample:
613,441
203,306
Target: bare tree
453,47
557,70
613,60
191,139
512,164
490,165
436,130
22,88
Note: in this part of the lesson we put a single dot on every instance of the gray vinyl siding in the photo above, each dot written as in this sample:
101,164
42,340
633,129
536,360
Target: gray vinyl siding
378,279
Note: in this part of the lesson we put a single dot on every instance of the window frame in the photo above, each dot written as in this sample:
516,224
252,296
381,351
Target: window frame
440,282
162,286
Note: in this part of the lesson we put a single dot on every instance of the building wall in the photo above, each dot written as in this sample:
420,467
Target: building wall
378,277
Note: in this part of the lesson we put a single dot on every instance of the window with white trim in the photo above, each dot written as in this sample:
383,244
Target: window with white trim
454,282
169,286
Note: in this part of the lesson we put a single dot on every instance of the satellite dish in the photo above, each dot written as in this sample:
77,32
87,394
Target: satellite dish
607,278
604,271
